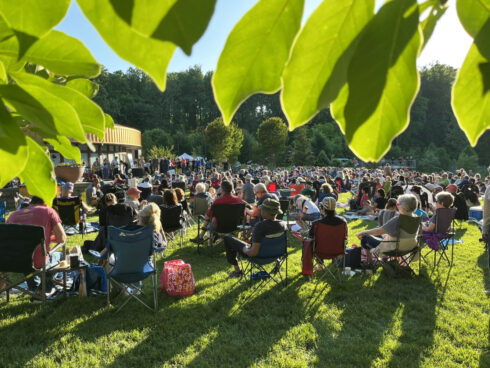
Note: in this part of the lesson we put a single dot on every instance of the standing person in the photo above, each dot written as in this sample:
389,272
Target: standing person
248,194
486,225
97,167
115,166
106,171
39,214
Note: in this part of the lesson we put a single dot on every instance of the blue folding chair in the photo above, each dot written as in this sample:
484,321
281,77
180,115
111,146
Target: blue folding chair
273,250
133,250
3,211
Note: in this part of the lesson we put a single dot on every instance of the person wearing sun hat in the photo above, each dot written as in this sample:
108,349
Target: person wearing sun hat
269,209
329,216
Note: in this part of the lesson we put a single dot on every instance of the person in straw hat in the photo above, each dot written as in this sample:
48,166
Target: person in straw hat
269,209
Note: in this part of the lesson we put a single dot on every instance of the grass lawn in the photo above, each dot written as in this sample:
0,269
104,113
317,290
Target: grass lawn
438,319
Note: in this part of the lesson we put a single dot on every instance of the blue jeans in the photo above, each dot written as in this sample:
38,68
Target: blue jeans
370,242
34,283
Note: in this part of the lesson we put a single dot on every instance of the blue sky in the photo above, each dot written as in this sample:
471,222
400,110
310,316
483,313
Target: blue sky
449,43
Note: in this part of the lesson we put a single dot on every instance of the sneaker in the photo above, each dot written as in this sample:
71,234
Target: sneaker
236,274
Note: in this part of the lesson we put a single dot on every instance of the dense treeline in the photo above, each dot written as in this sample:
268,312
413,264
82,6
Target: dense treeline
180,115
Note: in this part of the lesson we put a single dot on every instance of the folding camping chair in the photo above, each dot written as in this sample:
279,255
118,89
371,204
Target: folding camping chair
229,219
172,220
329,244
273,250
186,214
17,249
3,211
71,214
132,247
407,244
443,234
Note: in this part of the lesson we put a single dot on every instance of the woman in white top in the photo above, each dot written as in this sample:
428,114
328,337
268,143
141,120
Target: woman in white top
307,209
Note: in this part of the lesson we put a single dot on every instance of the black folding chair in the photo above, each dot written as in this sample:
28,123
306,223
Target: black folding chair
229,219
71,213
172,220
17,249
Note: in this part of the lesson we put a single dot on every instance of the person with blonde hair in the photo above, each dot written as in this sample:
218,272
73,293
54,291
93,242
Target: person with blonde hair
150,215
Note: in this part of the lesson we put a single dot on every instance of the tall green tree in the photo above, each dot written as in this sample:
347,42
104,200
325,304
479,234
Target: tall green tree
272,136
223,141
468,159
302,149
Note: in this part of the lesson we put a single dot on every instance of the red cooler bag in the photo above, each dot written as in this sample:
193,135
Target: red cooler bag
177,278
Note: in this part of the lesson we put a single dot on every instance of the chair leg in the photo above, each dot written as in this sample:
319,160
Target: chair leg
180,233
155,296
108,292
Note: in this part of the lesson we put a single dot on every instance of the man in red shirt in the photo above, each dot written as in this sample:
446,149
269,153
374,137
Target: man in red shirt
39,214
225,198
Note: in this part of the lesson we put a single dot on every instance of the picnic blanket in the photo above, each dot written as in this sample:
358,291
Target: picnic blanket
92,227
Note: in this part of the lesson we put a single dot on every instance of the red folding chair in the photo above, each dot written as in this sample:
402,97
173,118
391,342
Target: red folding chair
330,244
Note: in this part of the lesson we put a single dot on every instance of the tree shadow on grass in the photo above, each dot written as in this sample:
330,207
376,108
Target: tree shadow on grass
206,333
372,317
28,336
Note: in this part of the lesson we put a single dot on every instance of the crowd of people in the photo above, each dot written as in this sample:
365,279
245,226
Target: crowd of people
313,193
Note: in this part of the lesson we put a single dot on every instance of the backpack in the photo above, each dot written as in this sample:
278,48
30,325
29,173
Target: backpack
353,257
95,279
462,210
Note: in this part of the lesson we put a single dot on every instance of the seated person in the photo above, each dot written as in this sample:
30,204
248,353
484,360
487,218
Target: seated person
372,239
388,212
93,193
119,180
329,216
308,211
326,191
67,192
308,191
226,198
181,199
39,214
156,198
269,209
262,194
170,198
202,194
380,201
443,200
133,199
150,215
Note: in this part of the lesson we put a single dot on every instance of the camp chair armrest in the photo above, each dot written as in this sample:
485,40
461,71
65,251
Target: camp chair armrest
98,255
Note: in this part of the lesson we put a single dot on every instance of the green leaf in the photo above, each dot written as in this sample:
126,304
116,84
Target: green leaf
146,53
3,73
32,19
89,114
382,81
13,148
471,90
429,23
317,69
109,122
38,172
255,53
84,86
183,25
63,145
63,54
473,14
65,116
27,106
